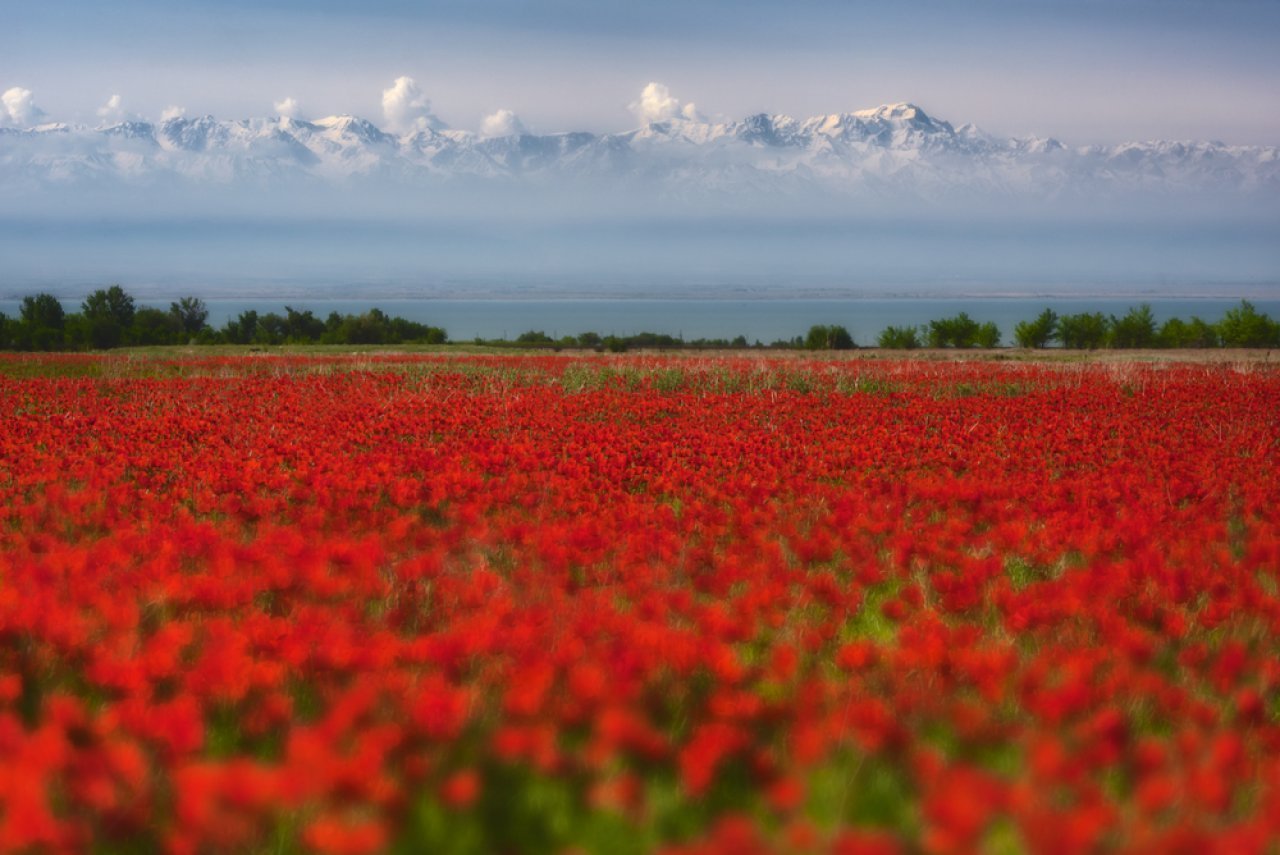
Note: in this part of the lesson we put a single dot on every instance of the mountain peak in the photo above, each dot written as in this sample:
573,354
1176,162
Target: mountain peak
902,111
891,145
342,121
763,129
356,127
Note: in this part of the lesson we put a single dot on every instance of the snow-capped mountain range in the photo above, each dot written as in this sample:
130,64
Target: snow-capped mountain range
893,149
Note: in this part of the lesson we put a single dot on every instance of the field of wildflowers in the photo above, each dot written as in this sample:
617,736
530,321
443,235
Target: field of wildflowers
631,604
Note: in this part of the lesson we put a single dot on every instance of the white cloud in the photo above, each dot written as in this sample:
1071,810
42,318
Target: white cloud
503,123
657,104
172,112
18,107
406,109
112,112
288,108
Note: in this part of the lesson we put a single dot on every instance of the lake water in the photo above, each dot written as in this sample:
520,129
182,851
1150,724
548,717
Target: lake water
762,320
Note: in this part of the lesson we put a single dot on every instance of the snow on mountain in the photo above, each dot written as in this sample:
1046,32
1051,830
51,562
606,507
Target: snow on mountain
894,148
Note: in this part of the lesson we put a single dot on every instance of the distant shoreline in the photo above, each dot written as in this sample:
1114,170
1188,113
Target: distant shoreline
104,321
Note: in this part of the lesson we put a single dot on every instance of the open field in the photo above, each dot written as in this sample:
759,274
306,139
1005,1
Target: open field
186,359
312,600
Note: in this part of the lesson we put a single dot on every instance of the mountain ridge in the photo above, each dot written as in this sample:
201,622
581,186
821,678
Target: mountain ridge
895,148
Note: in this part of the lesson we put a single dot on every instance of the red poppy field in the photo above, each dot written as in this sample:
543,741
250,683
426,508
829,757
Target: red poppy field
638,604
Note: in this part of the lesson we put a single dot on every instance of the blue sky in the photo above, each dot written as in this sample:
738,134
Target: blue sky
1079,70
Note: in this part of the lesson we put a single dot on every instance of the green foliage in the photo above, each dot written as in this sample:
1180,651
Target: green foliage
648,339
1245,326
42,311
107,316
962,331
1037,333
271,329
110,304
110,318
1176,332
42,323
828,337
240,330
303,327
1136,329
988,335
1084,331
152,326
1201,333
611,343
191,313
899,338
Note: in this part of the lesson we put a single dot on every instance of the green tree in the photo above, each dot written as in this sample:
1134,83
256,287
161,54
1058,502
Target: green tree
899,338
960,331
651,339
1037,333
302,327
403,330
242,329
113,304
271,329
1201,333
42,322
108,313
1197,332
191,314
151,326
1136,329
1085,331
1172,333
42,310
830,337
372,327
987,336
1245,326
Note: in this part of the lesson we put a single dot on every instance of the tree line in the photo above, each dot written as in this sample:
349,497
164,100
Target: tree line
110,317
1241,326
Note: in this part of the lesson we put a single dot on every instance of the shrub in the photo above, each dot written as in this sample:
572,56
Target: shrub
1136,329
988,335
960,331
1037,333
899,338
191,313
152,326
1085,331
1245,326
830,337
1197,332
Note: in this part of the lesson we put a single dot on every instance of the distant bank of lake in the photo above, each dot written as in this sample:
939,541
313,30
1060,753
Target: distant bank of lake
762,320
